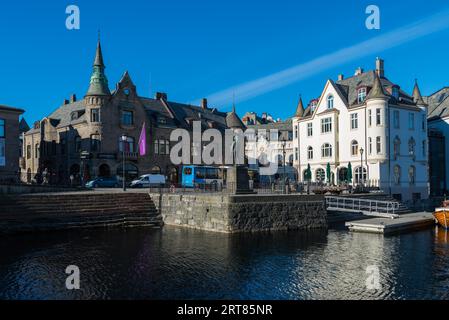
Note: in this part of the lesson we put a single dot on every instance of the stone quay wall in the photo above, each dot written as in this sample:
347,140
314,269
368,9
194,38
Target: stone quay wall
242,213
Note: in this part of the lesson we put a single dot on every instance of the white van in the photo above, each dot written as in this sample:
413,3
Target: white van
149,180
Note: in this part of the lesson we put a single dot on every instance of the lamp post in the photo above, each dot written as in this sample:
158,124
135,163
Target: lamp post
361,166
284,142
124,138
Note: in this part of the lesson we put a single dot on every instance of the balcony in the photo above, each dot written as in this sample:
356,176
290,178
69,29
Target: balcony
128,155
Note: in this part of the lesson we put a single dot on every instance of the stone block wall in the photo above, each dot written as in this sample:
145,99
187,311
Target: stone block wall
242,213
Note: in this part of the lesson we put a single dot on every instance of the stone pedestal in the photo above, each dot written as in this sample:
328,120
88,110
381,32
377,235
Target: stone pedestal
238,180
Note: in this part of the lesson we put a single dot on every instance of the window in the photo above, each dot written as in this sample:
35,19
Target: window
310,129
2,152
411,146
411,175
95,115
77,144
63,146
2,128
95,143
320,175
397,147
53,148
397,174
370,121
310,153
360,175
378,145
128,145
162,147
313,106
396,119
330,102
424,149
354,148
378,117
361,95
296,154
354,121
395,92
326,150
326,125
127,118
423,122
411,121
37,151
28,151
370,145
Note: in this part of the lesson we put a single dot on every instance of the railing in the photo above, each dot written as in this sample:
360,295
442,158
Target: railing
365,206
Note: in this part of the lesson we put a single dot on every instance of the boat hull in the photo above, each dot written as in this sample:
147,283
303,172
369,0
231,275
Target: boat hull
442,218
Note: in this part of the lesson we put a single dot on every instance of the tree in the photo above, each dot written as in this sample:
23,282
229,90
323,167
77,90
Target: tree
349,173
328,172
308,174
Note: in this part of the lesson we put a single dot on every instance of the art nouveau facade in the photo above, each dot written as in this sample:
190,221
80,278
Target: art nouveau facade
366,124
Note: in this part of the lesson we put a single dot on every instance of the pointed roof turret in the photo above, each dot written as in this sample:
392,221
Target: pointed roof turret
300,108
417,97
377,92
98,81
233,121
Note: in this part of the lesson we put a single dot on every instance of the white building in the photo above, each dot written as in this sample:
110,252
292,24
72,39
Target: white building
369,124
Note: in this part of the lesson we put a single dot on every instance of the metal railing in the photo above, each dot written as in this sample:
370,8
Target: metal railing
364,206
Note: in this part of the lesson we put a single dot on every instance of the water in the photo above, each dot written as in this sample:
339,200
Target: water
176,263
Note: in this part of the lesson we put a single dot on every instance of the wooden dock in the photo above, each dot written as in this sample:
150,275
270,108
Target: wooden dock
405,222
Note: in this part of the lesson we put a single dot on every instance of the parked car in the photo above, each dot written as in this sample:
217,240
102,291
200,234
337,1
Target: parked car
148,180
102,182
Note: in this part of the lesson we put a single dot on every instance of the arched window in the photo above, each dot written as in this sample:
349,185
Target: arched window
354,148
290,160
397,147
326,150
320,175
411,146
360,175
131,171
412,175
397,174
330,102
310,153
156,170
280,160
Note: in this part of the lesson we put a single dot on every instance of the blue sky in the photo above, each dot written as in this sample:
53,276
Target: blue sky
196,48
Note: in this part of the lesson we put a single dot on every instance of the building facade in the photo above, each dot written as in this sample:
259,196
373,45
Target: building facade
366,125
438,122
9,143
83,138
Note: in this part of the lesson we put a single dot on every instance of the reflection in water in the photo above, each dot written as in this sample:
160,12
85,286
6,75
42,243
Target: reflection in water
177,263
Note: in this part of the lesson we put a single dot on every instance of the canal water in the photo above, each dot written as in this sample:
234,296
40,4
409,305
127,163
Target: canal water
174,263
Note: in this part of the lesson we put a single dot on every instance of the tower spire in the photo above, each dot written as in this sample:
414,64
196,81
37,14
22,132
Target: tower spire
300,108
98,81
377,92
417,97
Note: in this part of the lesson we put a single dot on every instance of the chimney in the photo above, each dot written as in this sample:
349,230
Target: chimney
65,102
264,115
204,103
341,77
380,67
359,71
73,98
161,95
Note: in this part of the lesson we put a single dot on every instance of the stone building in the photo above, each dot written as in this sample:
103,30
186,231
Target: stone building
83,137
9,143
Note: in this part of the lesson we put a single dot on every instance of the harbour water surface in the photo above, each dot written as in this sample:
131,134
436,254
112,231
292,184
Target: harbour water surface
173,263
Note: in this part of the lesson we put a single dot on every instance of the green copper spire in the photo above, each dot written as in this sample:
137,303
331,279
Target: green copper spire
98,81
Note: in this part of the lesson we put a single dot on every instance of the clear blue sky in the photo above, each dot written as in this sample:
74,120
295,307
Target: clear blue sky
194,48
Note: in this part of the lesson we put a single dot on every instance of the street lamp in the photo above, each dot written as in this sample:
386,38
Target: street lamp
124,139
361,166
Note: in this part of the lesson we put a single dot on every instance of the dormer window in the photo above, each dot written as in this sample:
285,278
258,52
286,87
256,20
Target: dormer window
127,91
330,102
361,95
395,92
74,116
313,106
162,120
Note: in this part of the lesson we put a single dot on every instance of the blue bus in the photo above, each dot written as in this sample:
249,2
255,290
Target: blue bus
197,176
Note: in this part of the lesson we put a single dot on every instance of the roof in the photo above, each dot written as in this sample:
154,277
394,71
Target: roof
233,120
11,109
281,126
438,103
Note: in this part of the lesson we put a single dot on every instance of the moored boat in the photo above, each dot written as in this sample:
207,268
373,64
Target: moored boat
442,215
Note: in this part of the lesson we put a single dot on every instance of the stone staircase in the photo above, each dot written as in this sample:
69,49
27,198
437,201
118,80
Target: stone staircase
36,212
